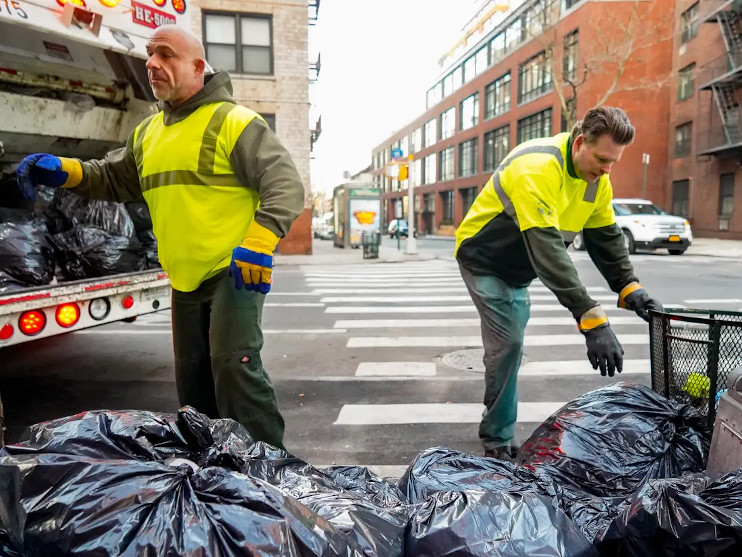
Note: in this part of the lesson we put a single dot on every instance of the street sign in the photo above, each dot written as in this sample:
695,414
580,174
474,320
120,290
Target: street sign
397,153
392,170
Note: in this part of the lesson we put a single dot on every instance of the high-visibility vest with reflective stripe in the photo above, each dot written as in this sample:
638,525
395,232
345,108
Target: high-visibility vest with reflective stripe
200,210
533,188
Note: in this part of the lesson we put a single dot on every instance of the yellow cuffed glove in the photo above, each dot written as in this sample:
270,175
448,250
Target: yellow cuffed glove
252,260
47,170
633,297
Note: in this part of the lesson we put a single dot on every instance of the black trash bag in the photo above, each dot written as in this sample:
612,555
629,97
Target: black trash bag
104,215
493,523
45,205
610,441
88,252
75,505
361,481
680,517
142,221
440,469
26,256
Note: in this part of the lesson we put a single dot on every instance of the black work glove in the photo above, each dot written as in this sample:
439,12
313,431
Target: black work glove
633,297
603,350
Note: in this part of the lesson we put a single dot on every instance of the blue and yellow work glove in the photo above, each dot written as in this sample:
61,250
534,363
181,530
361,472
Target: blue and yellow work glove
603,349
633,297
47,170
252,261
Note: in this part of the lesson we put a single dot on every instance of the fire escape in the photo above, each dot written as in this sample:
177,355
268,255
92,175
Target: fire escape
314,70
725,80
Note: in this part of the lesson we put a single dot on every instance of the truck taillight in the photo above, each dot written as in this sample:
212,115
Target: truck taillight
6,332
32,322
179,6
110,3
67,315
127,302
75,2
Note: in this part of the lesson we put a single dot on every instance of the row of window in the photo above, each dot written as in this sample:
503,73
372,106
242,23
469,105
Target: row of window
532,23
239,43
681,196
439,167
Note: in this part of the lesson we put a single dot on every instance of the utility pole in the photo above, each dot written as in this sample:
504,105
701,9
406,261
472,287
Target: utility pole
411,241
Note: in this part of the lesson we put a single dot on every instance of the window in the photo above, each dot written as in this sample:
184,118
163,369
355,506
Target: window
239,43
534,78
447,202
468,195
569,62
430,132
482,60
496,147
447,85
270,119
469,110
683,140
448,123
468,158
569,3
689,23
446,165
680,198
434,95
497,97
536,125
726,195
429,171
536,18
458,77
514,34
417,172
429,200
686,83
497,49
470,69
416,140
404,144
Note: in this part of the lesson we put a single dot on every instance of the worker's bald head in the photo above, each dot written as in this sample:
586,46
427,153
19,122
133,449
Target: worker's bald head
176,64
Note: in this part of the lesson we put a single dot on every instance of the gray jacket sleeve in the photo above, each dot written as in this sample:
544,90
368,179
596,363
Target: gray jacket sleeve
261,162
113,178
550,260
608,251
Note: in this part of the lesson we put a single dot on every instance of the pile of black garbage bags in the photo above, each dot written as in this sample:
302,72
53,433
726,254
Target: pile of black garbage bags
616,472
65,236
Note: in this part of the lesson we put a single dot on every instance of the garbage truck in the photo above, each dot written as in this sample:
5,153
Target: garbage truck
73,82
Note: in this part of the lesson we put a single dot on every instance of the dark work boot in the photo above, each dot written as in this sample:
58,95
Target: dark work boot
508,454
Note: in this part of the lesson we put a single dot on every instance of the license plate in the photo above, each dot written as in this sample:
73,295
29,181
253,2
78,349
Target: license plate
674,238
160,293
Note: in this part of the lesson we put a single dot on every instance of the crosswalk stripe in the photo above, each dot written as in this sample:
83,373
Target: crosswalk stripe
396,299
294,305
577,367
469,308
167,331
436,413
468,322
395,369
476,341
419,288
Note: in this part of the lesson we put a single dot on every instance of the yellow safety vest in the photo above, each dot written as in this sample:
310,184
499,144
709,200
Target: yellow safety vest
531,188
200,210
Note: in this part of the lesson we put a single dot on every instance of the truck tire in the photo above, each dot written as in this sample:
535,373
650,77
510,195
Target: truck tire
676,251
628,240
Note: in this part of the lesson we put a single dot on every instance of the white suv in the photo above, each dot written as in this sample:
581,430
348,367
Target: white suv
646,226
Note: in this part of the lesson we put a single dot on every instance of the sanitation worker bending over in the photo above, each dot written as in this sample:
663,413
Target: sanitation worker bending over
222,190
543,193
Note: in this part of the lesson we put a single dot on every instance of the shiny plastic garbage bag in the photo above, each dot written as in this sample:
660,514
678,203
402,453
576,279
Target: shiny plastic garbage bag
493,523
610,441
689,516
26,256
105,215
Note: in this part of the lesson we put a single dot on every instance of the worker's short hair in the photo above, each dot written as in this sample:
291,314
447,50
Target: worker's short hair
603,120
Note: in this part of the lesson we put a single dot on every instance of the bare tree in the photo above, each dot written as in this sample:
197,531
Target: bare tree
624,40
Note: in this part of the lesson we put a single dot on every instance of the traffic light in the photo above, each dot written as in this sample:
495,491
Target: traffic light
402,172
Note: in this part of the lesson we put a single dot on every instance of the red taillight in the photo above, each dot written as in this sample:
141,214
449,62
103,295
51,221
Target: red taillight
127,302
75,2
160,2
6,332
110,3
32,322
67,315
179,6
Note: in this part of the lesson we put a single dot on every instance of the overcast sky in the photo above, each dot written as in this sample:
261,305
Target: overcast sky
379,57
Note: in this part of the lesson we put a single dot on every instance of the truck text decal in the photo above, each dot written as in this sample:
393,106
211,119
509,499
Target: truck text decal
149,17
13,7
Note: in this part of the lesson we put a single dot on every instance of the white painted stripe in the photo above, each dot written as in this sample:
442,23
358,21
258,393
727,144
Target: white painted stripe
714,301
378,379
395,369
476,341
294,305
357,310
436,413
395,299
578,367
154,331
384,274
395,289
307,293
473,322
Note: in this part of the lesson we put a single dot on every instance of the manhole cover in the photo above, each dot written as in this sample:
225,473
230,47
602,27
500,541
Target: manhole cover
466,360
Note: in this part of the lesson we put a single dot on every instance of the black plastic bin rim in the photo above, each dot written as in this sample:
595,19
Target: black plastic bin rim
683,315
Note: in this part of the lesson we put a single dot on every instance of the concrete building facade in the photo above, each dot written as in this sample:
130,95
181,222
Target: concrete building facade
529,72
265,47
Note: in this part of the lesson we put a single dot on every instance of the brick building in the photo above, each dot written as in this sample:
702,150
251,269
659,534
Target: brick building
265,47
497,89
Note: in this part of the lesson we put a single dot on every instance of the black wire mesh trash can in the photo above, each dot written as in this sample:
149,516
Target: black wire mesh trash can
693,351
371,241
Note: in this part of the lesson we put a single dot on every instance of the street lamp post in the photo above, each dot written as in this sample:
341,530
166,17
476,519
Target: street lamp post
411,241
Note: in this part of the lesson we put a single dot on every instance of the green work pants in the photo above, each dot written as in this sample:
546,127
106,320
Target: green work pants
218,369
504,311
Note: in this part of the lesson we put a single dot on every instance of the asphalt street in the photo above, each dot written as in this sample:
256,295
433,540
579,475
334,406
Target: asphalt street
372,363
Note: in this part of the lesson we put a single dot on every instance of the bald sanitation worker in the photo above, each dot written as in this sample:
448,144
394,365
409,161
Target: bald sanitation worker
222,191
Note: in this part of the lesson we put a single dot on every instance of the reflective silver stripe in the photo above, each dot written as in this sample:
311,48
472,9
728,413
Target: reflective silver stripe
504,198
591,191
211,135
568,236
188,178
